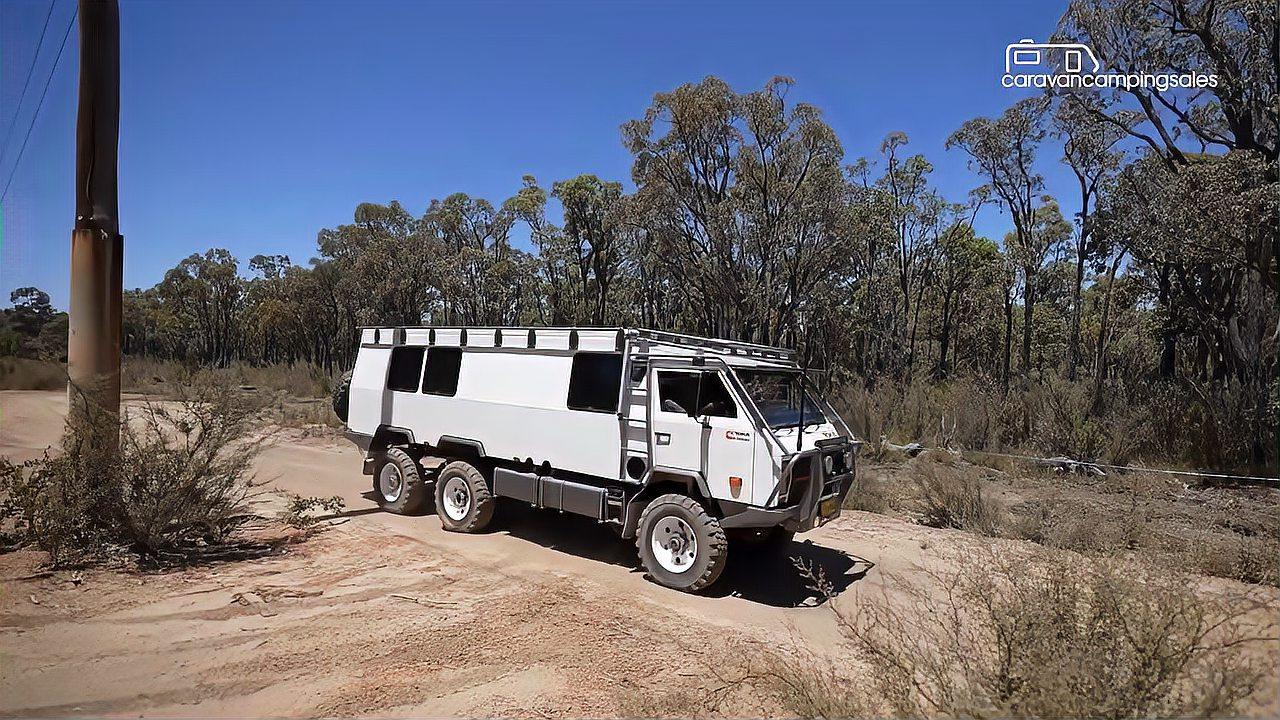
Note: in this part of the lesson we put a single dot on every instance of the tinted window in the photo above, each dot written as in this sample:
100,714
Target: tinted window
714,398
678,391
594,381
406,367
443,366
695,394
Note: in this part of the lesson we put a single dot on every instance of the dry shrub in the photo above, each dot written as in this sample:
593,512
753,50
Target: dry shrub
181,478
870,493
1011,636
301,511
1067,523
1215,424
952,496
1215,532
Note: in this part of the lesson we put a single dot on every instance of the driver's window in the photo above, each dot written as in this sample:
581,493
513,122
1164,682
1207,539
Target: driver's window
695,394
677,391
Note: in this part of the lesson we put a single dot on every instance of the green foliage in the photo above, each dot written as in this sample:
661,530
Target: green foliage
1155,294
300,512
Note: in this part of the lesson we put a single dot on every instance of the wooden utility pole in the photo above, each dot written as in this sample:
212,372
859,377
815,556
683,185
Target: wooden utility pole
97,248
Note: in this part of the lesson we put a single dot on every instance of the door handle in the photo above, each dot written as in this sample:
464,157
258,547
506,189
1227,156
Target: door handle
662,438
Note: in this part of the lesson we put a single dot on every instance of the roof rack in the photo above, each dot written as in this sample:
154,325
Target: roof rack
732,347
499,336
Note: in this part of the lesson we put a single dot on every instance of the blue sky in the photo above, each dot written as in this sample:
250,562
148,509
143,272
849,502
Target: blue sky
252,125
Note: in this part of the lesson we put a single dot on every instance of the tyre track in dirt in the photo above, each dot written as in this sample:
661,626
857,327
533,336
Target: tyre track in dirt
382,614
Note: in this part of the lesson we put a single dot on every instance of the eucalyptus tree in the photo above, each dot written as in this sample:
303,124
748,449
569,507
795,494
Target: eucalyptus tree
746,192
1003,151
593,218
1088,148
1234,41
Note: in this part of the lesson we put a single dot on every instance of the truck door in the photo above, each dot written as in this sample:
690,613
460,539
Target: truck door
729,440
677,437
698,426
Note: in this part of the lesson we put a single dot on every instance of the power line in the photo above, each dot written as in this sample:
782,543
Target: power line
25,84
39,105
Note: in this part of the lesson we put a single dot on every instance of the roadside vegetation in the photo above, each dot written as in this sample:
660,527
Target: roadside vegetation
181,481
1014,634
1228,532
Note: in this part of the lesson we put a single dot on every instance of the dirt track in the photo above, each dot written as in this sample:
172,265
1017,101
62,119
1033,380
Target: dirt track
380,614
383,614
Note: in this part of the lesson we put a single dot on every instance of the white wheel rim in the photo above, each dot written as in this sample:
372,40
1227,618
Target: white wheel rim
390,482
674,544
457,498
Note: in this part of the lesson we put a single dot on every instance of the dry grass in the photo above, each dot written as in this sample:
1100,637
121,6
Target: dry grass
152,376
1210,426
1007,635
27,374
953,497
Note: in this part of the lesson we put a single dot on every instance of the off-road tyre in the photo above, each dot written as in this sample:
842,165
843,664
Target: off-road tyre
470,516
711,548
342,396
408,495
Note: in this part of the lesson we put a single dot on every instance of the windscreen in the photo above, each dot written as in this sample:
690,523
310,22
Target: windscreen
781,397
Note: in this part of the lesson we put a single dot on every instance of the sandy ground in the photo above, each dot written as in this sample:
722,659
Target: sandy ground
380,614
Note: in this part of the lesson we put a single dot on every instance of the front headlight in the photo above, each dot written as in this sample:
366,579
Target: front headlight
848,460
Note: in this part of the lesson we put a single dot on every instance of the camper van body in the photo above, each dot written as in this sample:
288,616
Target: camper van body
600,422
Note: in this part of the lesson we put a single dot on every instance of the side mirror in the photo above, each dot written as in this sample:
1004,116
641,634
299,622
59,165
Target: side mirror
673,407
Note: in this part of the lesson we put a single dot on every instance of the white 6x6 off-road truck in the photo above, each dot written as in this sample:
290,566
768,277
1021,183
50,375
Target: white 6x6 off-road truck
674,440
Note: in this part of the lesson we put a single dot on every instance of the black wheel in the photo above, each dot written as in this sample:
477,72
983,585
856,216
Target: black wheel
342,396
463,500
398,482
681,545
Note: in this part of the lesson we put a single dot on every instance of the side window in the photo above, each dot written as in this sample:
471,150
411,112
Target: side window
443,366
678,391
406,367
714,398
695,394
594,381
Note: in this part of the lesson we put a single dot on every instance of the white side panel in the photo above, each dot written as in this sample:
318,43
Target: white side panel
512,403
731,453
525,379
585,442
766,472
368,382
598,340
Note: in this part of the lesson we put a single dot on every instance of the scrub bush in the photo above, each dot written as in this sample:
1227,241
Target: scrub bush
181,478
1005,635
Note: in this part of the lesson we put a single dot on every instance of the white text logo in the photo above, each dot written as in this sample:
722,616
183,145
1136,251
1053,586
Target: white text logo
1028,64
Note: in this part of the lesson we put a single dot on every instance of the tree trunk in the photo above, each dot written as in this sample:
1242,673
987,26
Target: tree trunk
1073,346
1028,316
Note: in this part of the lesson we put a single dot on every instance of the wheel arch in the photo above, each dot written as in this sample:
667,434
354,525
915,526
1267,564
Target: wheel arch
661,482
388,436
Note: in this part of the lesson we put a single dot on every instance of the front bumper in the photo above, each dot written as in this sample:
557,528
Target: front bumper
821,498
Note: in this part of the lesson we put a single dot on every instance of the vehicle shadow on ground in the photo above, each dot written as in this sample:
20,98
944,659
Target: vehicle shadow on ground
774,576
428,507
766,576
